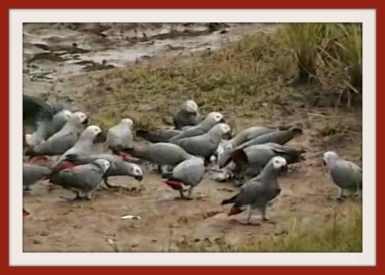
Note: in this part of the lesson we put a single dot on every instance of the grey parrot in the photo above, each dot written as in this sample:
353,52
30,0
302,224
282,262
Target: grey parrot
187,173
85,143
82,179
120,136
187,115
162,154
31,175
279,137
204,145
118,167
47,127
62,140
259,155
258,191
202,128
345,174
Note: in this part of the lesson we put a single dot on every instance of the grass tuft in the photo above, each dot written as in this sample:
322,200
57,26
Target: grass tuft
340,232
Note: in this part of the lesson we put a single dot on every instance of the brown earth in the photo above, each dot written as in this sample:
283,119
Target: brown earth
53,67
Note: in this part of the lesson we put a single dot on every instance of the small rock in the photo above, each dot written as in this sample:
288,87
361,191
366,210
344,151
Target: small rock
36,242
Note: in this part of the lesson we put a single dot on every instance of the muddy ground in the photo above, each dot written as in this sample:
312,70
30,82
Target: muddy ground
60,61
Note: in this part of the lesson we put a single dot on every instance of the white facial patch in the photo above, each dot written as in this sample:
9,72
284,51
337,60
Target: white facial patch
218,117
279,162
215,116
191,106
79,117
66,114
105,163
225,128
138,171
30,140
95,130
329,155
83,117
127,121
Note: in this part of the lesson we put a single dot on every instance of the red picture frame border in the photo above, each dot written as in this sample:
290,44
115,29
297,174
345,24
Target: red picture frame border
5,6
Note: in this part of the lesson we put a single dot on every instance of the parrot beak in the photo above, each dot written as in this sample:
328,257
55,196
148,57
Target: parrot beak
227,135
101,137
86,121
139,178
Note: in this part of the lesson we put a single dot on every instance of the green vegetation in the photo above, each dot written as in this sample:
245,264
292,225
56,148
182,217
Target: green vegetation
340,232
311,64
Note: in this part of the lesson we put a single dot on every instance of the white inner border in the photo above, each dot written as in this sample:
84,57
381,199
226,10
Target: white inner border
17,257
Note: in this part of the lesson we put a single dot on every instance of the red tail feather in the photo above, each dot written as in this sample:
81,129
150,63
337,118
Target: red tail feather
66,164
176,185
235,210
124,156
39,160
62,165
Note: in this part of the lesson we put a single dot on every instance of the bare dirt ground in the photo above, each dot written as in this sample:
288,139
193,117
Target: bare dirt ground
58,69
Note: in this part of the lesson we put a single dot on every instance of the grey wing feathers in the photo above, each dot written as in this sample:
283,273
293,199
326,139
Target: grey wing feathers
113,140
259,132
119,137
190,171
84,177
57,146
249,192
345,174
193,131
33,173
157,135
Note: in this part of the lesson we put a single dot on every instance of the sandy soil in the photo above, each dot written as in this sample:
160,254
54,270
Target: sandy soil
57,69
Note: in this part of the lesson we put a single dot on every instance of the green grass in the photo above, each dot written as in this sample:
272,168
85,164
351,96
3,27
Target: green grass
257,69
340,232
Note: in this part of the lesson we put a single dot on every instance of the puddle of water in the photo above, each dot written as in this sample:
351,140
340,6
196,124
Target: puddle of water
113,44
118,57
